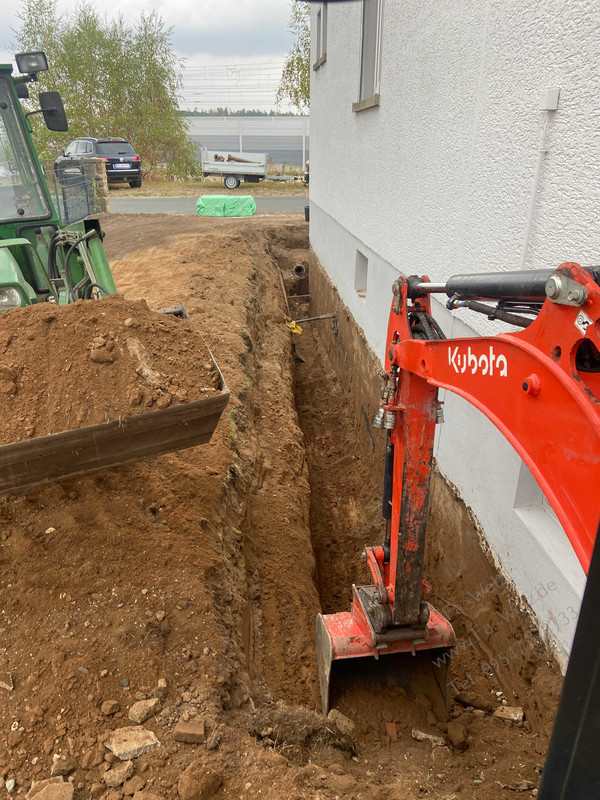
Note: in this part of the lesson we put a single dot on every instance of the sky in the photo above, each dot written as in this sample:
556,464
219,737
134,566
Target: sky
233,49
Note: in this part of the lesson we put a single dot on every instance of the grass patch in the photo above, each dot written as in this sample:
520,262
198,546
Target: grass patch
159,187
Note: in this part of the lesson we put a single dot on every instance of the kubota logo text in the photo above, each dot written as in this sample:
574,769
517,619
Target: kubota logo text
485,364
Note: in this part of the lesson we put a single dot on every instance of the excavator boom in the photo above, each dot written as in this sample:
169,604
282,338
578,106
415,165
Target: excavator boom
540,386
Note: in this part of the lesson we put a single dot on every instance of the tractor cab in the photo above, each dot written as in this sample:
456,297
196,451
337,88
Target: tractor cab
43,257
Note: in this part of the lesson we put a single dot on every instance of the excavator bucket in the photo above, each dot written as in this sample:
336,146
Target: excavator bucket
82,451
350,652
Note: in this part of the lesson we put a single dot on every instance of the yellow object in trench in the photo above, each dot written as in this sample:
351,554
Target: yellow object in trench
293,326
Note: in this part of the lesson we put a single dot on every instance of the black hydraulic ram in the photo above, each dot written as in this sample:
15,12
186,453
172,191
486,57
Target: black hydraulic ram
523,285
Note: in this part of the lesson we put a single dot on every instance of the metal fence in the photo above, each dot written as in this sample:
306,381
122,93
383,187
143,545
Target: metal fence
283,139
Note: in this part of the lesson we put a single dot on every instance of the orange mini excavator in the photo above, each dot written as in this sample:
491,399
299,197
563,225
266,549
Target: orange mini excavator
540,386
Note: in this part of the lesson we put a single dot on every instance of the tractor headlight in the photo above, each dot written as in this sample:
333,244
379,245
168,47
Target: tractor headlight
9,298
28,63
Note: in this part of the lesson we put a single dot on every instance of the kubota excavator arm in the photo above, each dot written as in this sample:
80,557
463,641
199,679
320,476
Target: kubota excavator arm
540,386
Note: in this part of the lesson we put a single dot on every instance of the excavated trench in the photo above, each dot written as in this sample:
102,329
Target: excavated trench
318,473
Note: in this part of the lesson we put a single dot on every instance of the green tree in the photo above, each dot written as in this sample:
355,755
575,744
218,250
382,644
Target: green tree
115,81
294,86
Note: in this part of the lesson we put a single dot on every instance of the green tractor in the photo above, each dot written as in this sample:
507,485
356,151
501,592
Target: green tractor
51,251
43,256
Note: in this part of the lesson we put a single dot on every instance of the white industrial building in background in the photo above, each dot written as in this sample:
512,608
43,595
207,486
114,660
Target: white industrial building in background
461,137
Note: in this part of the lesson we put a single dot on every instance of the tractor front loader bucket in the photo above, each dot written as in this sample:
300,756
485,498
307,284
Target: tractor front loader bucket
350,651
81,451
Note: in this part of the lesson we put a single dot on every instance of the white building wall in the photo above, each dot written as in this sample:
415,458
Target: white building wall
439,179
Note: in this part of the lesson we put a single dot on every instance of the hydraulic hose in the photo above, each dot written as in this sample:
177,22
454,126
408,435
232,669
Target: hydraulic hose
426,327
90,287
70,252
492,313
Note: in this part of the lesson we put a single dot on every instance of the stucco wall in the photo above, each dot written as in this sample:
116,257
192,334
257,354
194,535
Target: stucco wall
439,179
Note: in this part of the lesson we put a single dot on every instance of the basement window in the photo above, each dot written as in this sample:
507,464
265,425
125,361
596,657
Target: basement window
370,55
321,36
361,271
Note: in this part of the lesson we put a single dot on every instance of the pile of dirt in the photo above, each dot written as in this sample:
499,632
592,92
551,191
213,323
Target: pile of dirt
64,367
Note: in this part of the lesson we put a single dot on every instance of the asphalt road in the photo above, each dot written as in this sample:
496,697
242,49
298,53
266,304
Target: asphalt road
187,205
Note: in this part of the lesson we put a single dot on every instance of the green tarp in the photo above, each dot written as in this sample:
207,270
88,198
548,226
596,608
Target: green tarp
225,205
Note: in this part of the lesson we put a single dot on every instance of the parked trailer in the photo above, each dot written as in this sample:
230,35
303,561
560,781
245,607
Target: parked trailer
234,167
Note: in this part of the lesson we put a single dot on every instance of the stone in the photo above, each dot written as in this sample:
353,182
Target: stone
128,743
146,796
101,356
199,781
109,707
521,786
118,774
63,765
421,736
112,794
213,741
441,756
476,701
133,785
272,759
92,758
342,722
390,729
14,738
143,710
51,789
6,681
458,735
192,731
509,713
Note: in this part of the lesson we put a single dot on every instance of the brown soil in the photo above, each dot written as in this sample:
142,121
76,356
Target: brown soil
195,577
102,360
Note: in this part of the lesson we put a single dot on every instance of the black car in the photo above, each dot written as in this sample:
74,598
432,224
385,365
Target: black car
122,162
